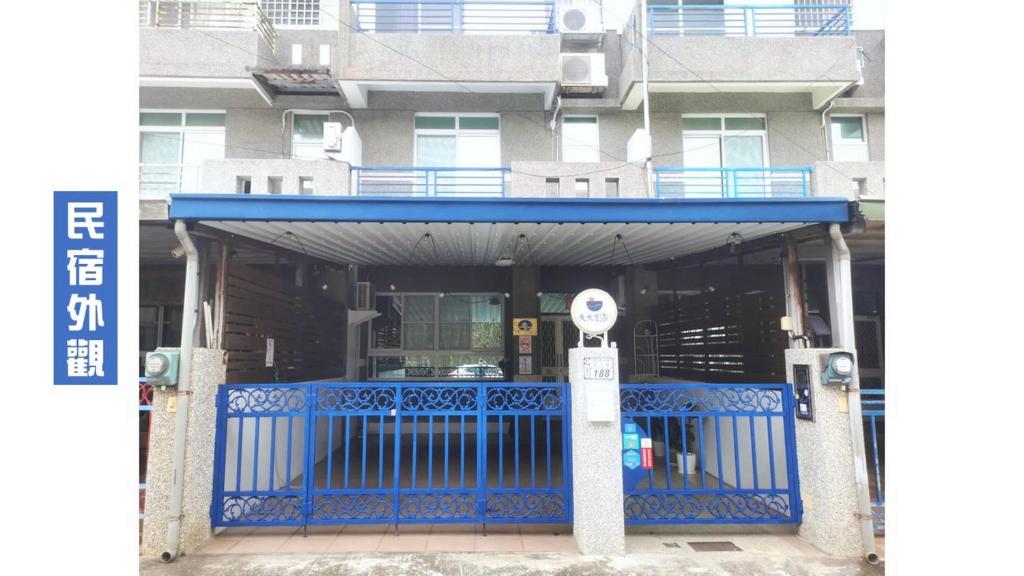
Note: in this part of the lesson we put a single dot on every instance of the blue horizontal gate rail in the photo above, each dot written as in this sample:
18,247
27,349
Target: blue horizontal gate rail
455,16
873,411
381,452
743,439
749,20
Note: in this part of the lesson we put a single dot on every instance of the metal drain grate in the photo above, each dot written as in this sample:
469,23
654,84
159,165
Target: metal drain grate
714,547
671,544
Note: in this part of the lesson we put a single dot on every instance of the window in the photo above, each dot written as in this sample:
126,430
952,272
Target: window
712,142
159,325
292,12
308,136
458,141
173,146
849,139
580,139
429,335
462,141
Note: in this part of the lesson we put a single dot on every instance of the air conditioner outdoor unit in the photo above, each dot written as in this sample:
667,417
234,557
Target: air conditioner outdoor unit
584,18
365,296
583,72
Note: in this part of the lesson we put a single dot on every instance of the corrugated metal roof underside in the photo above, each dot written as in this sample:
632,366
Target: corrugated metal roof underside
482,243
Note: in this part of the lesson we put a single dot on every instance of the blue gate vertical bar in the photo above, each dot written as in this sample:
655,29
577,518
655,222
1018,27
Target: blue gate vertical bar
741,487
873,412
423,498
346,499
519,500
248,489
348,453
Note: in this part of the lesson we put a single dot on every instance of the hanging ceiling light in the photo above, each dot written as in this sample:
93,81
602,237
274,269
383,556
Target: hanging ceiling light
510,259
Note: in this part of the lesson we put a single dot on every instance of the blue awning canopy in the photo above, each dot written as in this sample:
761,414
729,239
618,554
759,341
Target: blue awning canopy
267,208
478,231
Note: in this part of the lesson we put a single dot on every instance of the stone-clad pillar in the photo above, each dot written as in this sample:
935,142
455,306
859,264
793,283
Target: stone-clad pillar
597,496
208,373
828,469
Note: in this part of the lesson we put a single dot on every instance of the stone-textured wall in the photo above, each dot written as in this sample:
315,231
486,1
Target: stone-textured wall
208,371
828,485
838,179
598,515
329,177
530,179
466,58
199,53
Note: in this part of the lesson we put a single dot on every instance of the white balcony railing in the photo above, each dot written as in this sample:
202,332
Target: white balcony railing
199,14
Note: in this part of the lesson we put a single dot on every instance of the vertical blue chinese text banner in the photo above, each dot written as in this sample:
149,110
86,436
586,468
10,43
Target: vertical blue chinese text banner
85,287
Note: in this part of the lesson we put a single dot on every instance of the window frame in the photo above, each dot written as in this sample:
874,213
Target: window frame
183,130
722,133
865,142
402,351
324,19
454,132
596,148
291,145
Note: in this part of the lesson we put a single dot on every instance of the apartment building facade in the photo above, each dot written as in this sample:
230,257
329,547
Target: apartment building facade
382,191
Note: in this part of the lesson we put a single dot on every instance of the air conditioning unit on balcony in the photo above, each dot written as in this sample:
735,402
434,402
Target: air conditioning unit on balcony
365,296
579,17
583,73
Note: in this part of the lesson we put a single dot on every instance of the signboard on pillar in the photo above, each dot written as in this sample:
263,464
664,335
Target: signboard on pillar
594,312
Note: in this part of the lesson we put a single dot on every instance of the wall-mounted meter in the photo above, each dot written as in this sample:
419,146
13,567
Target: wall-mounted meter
162,367
838,369
802,387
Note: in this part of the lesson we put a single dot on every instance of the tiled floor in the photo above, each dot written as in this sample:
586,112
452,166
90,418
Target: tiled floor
500,538
382,538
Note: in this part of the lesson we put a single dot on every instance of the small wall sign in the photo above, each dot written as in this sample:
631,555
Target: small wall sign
526,345
524,326
526,365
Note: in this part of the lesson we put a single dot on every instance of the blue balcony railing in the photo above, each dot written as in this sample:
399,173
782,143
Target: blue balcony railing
455,16
732,182
417,181
749,20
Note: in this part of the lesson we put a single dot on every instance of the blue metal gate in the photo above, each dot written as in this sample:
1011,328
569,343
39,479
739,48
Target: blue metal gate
376,452
742,441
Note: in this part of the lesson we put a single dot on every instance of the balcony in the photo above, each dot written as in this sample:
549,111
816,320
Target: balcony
479,46
749,20
732,48
430,182
183,40
732,182
455,17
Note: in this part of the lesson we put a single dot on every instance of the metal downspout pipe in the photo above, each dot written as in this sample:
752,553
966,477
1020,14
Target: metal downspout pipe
190,310
841,252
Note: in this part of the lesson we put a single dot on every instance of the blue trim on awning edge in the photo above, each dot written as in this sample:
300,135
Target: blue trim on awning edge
267,208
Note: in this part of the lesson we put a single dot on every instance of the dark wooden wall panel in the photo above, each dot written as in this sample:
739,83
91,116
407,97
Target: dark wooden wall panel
308,329
730,335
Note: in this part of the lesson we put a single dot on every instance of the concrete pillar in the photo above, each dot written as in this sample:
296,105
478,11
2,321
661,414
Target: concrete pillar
827,465
525,304
598,517
208,373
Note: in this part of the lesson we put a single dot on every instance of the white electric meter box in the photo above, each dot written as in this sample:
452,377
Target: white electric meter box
332,137
596,372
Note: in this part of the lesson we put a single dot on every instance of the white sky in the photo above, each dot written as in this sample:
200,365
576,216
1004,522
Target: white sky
867,14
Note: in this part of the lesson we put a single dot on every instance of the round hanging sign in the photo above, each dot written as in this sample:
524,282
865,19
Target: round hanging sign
593,311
